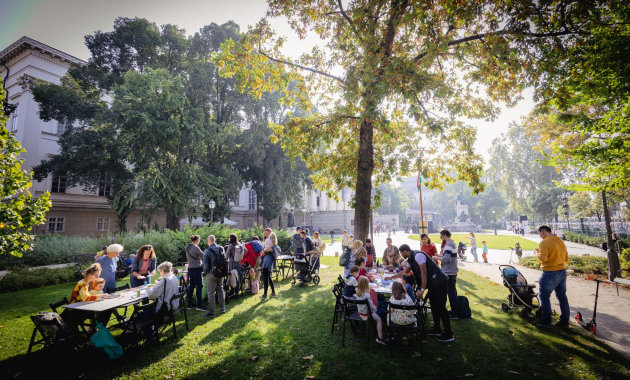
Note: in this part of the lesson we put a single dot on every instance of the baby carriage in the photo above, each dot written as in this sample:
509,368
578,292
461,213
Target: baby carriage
461,251
306,267
522,294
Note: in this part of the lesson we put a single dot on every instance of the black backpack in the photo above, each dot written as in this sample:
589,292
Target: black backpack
463,308
220,268
345,257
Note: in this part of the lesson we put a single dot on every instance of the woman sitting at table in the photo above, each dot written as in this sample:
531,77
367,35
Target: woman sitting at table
400,297
391,256
81,291
165,288
363,293
143,266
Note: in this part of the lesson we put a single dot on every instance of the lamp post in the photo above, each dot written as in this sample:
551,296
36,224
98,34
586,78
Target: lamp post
565,206
494,221
211,205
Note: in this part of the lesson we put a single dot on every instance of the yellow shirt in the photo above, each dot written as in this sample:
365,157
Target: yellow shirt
552,254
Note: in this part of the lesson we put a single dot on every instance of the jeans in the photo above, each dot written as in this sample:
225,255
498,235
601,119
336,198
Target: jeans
136,282
451,287
215,285
266,276
473,251
437,297
195,282
550,281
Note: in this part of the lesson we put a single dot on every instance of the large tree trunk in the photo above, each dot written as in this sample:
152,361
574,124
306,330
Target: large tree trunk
613,258
172,222
363,191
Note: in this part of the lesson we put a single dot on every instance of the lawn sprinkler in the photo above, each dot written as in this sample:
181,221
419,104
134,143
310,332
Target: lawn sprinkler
591,326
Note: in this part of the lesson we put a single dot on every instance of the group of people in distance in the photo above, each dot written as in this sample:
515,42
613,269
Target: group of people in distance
418,268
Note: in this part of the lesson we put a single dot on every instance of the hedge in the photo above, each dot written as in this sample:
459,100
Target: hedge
593,265
590,240
169,245
20,279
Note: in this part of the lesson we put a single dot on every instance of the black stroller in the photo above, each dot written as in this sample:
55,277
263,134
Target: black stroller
522,294
306,268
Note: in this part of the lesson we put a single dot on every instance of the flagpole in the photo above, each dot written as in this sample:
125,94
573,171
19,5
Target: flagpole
421,209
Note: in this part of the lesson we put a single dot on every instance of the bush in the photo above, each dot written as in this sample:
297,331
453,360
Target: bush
169,245
624,259
591,265
21,278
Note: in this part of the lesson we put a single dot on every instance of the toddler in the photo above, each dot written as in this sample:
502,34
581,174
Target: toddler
97,286
485,252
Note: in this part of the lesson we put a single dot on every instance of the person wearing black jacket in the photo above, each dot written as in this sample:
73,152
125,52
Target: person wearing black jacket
215,285
194,257
429,277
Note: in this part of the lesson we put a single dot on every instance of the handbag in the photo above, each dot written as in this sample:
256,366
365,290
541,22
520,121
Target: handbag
104,339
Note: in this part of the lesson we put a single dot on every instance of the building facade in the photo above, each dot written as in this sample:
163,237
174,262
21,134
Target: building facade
74,211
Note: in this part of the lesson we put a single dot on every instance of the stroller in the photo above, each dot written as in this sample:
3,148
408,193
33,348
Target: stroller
461,251
307,268
522,294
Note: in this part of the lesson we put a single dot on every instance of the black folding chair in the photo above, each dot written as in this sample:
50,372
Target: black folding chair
181,307
397,331
54,333
54,306
144,324
355,319
339,310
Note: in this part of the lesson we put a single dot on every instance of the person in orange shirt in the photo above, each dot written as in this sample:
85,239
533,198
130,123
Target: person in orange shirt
553,257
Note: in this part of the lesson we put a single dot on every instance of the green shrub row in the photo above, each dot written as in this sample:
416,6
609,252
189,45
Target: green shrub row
593,265
169,245
19,279
590,240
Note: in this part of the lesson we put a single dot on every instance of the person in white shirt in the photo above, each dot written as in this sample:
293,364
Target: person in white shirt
165,288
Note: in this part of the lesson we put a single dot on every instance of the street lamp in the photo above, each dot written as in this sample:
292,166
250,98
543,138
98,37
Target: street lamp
494,221
312,221
211,205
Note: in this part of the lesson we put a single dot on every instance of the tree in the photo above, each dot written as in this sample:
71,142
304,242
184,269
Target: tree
164,128
545,201
580,204
394,200
489,206
388,83
19,210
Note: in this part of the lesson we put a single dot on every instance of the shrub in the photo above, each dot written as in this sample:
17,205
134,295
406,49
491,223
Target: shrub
592,265
624,259
21,278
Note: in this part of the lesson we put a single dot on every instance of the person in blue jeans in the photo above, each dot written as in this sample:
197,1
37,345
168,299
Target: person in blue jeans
554,258
194,258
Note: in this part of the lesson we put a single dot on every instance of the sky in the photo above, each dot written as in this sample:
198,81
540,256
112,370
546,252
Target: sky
63,24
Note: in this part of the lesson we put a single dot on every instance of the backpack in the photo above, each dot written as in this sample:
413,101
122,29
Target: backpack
220,268
239,252
463,308
345,257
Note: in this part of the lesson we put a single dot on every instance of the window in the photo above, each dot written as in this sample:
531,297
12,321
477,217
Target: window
105,186
237,200
102,224
62,126
250,223
252,200
58,184
318,201
55,223
14,118
352,222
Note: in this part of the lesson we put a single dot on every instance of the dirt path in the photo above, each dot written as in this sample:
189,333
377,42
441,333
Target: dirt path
613,312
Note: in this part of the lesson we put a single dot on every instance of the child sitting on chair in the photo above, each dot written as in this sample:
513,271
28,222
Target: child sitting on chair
97,286
360,262
408,281
400,297
363,293
351,282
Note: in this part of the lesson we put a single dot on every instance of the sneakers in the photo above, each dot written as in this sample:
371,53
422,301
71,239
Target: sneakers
200,308
444,338
563,326
434,332
264,298
273,296
208,315
546,326
381,341
452,315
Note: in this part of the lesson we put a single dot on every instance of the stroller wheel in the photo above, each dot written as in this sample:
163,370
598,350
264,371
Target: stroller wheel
505,307
316,280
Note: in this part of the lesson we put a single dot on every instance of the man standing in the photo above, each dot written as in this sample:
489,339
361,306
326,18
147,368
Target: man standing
449,267
211,260
429,276
109,264
298,241
553,257
345,241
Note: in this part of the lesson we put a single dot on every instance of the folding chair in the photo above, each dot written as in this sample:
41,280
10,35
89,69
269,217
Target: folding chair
181,307
339,310
398,329
54,333
142,325
54,306
354,319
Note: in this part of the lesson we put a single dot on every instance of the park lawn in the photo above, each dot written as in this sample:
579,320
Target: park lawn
289,338
493,241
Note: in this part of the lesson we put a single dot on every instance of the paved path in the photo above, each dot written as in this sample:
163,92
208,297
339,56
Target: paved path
613,312
4,272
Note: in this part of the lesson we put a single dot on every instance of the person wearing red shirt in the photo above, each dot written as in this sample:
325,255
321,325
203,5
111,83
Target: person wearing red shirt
428,247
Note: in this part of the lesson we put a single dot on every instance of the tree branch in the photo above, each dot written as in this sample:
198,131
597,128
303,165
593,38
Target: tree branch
296,65
344,14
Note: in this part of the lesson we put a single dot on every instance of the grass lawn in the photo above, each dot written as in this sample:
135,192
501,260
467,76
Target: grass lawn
493,241
289,338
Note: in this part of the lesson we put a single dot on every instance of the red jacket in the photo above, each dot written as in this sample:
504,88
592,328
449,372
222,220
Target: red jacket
250,255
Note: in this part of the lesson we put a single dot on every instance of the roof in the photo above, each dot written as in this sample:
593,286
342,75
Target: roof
26,42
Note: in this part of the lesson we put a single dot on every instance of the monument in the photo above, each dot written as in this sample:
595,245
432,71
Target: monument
462,222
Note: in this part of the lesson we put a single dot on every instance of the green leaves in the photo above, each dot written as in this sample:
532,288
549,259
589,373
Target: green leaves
19,210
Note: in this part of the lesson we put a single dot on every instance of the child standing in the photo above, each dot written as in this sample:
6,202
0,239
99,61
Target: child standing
363,293
485,252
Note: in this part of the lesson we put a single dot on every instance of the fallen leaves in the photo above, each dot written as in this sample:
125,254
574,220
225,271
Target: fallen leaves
310,357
